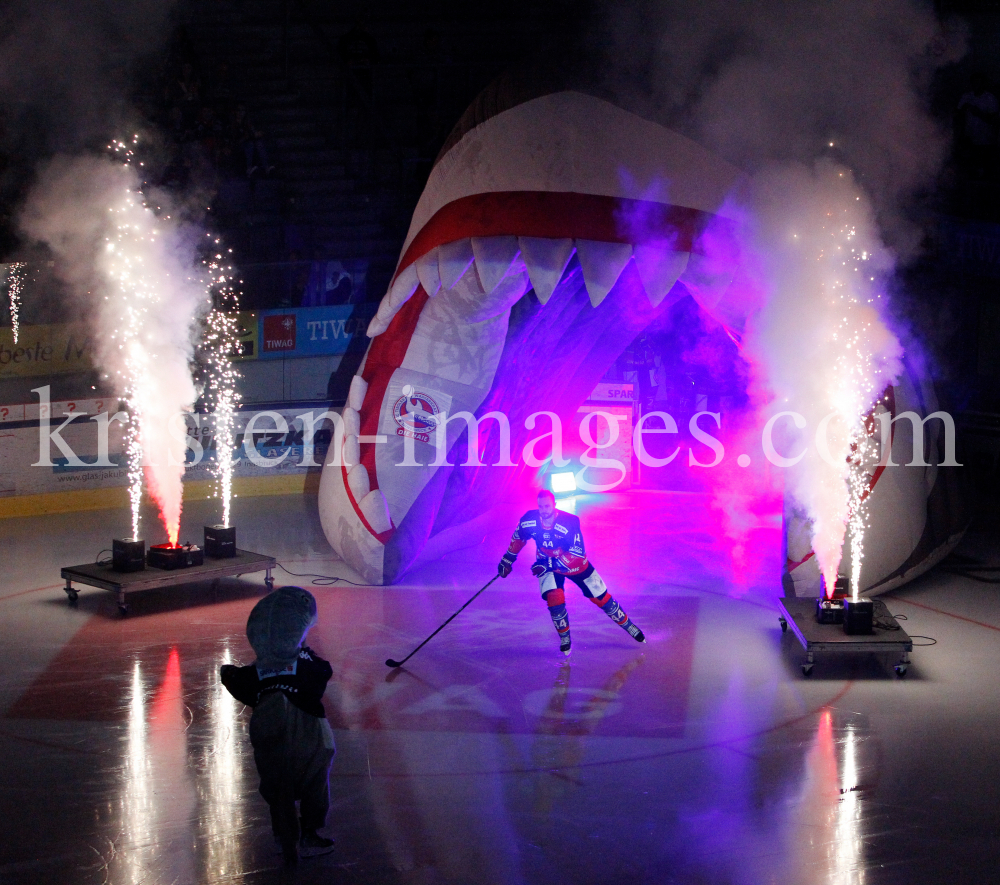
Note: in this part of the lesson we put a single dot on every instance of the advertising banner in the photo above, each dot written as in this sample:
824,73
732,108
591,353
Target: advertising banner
312,331
613,392
65,458
58,349
68,348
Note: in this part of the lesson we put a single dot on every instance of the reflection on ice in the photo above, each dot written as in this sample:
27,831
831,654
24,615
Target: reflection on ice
138,805
222,818
158,807
825,836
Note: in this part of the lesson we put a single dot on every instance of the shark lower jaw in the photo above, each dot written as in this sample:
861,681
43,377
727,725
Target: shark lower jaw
492,323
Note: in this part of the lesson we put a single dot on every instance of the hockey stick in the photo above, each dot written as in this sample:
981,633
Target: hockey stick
392,663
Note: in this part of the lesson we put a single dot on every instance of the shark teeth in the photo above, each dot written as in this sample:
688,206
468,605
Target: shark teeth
658,270
428,272
356,395
358,481
602,264
545,261
375,510
371,503
454,259
352,422
352,450
707,280
494,257
399,293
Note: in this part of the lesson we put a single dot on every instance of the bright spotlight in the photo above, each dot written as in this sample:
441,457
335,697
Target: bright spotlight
562,483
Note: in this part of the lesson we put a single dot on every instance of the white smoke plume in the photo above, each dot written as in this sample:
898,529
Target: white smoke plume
819,342
824,103
136,272
791,80
67,67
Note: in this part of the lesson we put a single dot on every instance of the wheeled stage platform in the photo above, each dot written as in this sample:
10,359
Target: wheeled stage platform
96,575
800,615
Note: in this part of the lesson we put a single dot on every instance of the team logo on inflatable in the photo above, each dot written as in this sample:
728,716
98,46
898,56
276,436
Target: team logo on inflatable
416,414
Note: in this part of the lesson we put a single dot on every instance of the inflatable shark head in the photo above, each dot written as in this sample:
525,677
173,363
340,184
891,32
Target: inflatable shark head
554,228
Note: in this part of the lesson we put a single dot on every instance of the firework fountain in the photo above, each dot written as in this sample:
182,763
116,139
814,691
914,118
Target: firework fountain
220,344
142,275
15,282
135,266
820,342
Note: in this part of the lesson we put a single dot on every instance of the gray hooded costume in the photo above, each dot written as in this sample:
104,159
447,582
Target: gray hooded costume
292,740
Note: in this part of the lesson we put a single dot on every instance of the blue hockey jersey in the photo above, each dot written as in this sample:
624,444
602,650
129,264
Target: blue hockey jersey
560,547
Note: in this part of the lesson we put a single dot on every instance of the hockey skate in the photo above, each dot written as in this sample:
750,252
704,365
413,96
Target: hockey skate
634,631
617,614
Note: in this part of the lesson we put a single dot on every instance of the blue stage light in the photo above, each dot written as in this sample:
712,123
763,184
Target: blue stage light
562,483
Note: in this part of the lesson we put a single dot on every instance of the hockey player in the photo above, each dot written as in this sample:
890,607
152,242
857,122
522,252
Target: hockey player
559,554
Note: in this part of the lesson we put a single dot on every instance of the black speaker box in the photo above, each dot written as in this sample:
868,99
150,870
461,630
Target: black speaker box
220,541
859,616
128,555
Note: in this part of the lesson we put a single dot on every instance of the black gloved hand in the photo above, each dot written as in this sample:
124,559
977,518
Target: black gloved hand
506,564
539,569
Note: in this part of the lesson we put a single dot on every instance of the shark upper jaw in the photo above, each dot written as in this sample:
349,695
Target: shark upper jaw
534,258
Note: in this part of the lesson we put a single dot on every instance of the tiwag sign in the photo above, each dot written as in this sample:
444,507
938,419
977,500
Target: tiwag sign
277,333
312,331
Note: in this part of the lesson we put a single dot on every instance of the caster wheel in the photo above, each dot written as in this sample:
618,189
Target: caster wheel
269,583
807,669
72,595
123,609
784,625
900,670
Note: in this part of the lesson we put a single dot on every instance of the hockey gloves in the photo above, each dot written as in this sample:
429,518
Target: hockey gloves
506,564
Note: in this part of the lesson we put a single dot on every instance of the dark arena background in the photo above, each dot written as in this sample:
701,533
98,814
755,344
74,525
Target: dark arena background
313,294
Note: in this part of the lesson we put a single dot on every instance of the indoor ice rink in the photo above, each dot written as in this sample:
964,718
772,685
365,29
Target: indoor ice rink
702,756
